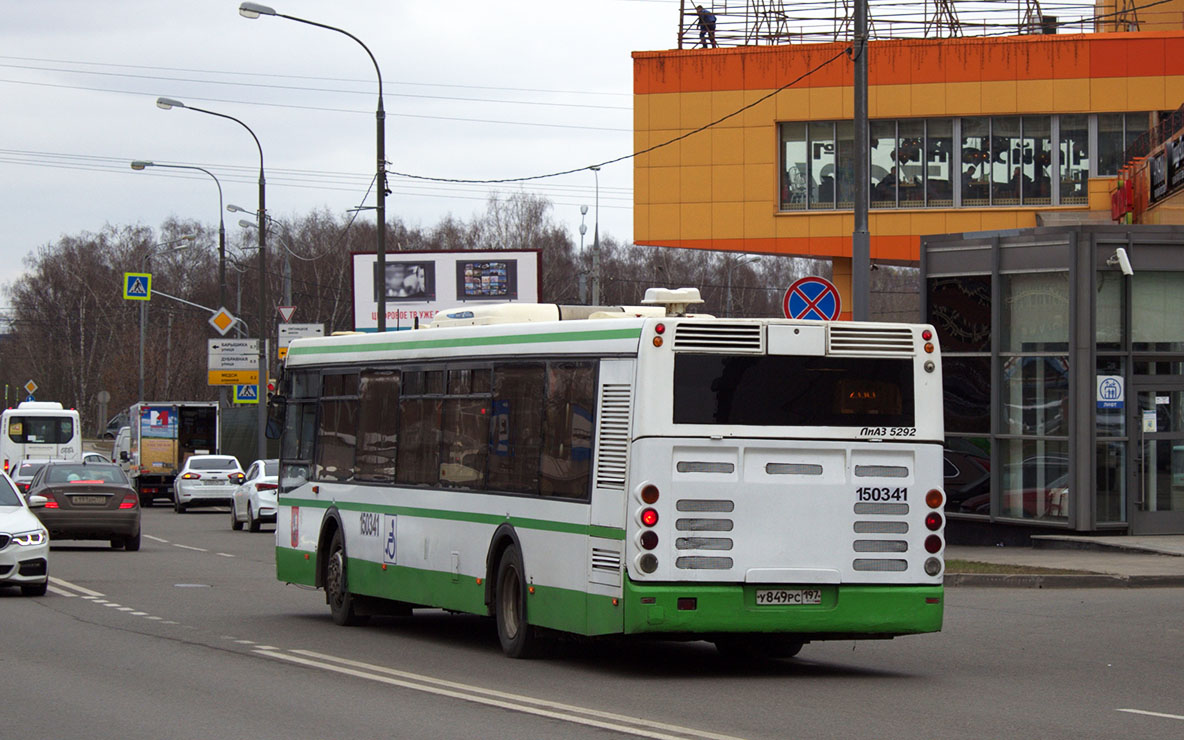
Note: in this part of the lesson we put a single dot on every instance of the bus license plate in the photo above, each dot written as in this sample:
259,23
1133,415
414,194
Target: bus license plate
788,596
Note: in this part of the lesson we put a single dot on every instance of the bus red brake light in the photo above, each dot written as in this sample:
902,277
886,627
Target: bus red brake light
649,494
649,539
649,517
660,328
926,335
933,521
932,544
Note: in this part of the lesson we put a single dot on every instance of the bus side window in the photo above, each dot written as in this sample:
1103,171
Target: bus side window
377,427
516,428
570,417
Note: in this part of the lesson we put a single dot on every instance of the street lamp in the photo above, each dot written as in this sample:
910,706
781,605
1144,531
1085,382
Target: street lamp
176,245
169,104
733,266
596,241
583,275
141,164
254,10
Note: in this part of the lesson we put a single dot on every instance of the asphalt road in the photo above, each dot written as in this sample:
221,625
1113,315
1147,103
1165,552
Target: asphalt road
192,637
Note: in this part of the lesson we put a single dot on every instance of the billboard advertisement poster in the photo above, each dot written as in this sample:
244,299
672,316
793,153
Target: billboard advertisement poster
416,285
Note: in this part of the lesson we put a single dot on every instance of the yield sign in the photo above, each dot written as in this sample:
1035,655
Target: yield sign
286,313
812,298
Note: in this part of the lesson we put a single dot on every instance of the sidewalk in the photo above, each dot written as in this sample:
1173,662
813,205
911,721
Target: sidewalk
1119,561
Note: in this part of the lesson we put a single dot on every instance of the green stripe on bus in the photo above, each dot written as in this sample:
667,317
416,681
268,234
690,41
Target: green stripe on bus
562,336
556,608
594,530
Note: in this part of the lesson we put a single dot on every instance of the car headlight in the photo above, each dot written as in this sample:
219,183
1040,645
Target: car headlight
31,538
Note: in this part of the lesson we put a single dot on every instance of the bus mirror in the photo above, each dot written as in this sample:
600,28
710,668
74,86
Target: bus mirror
277,411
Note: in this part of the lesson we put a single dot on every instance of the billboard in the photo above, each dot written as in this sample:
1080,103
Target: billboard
418,284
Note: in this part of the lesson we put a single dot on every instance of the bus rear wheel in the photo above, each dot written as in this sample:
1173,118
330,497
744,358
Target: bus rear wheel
517,637
341,602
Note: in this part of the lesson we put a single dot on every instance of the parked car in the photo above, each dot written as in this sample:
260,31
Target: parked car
23,472
206,480
255,500
114,424
88,501
24,541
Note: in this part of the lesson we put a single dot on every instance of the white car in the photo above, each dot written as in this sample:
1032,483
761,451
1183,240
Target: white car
254,501
24,542
206,480
95,457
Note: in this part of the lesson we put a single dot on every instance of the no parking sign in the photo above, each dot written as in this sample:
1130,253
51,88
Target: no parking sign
812,298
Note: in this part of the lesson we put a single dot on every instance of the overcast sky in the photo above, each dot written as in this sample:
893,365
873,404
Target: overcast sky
472,91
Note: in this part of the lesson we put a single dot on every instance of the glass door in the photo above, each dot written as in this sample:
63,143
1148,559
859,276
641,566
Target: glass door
1158,470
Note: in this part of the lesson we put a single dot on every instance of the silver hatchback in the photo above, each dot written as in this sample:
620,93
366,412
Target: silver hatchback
206,480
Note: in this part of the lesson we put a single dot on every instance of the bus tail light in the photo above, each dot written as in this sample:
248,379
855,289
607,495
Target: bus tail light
933,521
932,544
649,517
649,494
648,563
649,539
934,498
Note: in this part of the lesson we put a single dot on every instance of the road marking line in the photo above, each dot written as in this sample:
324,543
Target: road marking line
155,539
66,584
110,604
156,618
225,554
61,592
189,547
489,697
127,608
1151,714
139,614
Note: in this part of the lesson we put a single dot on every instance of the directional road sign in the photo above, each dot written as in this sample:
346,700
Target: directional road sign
812,298
137,286
233,361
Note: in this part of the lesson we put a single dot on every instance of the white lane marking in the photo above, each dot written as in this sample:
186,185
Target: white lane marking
110,604
66,584
1151,714
61,592
189,547
155,539
225,554
139,614
489,697
157,619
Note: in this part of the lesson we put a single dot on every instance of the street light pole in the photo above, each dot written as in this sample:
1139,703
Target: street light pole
261,390
732,267
596,241
254,10
141,164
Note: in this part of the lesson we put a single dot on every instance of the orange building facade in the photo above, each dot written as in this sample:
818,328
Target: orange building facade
748,149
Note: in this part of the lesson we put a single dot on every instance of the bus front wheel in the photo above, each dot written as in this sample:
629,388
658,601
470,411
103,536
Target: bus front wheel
341,601
515,634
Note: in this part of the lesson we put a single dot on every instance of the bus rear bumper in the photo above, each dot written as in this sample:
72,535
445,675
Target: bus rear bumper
846,611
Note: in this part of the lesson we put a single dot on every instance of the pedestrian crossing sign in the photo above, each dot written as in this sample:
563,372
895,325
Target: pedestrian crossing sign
137,286
246,394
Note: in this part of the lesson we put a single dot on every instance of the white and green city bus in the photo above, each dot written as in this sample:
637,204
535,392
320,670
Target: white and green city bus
759,483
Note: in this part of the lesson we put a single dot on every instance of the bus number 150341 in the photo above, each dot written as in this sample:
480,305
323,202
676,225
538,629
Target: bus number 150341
870,493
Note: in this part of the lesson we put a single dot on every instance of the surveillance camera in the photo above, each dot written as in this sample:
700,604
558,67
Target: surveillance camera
1124,262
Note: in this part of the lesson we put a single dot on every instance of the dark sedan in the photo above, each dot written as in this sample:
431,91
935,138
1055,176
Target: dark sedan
88,501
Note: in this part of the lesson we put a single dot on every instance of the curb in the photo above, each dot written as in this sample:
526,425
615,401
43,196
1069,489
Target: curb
1061,580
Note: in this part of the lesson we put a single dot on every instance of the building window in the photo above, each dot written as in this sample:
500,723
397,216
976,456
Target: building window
793,166
1035,313
1075,156
1035,479
916,163
821,176
1117,131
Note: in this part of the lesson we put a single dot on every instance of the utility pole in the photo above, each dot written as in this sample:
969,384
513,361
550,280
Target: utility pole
861,268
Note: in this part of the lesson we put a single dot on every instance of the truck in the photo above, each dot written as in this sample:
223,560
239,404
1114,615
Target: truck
163,435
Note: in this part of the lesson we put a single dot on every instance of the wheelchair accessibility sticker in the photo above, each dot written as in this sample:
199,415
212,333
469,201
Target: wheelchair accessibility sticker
388,526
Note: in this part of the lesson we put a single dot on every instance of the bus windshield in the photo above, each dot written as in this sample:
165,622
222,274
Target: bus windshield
54,430
779,390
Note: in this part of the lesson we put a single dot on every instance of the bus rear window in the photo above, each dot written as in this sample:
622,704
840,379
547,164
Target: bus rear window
55,430
780,390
